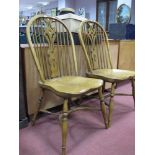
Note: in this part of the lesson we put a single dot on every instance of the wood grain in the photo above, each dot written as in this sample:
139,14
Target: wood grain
127,55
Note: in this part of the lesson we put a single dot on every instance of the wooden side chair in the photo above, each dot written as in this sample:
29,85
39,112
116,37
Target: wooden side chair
53,51
95,45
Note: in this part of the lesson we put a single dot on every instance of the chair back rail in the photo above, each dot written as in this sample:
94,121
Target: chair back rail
95,45
52,47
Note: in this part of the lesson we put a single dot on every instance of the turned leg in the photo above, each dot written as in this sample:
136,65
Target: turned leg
133,89
64,125
37,109
111,103
102,104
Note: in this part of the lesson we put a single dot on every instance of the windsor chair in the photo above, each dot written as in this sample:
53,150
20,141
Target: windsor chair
94,42
53,52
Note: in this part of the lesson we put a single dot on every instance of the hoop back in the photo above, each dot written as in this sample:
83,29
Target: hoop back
52,47
95,44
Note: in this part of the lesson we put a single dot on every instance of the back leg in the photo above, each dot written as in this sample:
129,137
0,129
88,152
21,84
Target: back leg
37,109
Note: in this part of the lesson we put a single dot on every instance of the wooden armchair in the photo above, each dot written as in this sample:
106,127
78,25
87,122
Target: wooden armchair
53,51
95,45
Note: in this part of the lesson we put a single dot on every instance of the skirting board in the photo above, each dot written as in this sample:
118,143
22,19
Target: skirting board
23,123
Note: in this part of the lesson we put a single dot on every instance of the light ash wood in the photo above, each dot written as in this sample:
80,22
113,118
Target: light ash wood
95,45
64,125
103,106
111,104
114,50
57,67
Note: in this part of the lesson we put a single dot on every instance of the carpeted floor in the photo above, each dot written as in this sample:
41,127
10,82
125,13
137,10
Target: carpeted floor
87,134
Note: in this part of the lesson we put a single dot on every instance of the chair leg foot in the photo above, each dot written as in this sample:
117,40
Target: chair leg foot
111,104
33,121
103,109
64,125
110,113
103,106
63,150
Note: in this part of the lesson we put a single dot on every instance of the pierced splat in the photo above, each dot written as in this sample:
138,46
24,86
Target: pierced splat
92,37
50,35
92,34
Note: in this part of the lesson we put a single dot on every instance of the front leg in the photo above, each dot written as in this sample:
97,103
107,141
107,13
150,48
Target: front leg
103,106
64,125
111,103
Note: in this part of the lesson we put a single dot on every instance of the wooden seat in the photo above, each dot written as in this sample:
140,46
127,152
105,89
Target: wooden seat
53,51
71,85
95,45
112,75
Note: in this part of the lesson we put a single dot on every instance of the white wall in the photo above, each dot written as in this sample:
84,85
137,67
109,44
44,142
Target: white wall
48,7
51,5
133,12
61,4
70,4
